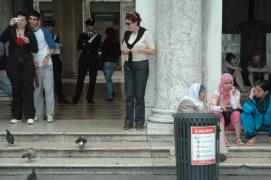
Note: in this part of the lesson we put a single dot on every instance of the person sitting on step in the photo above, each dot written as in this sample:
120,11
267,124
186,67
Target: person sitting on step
257,69
226,103
195,102
256,113
235,70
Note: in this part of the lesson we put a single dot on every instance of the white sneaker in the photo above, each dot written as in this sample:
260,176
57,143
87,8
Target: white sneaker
30,121
50,118
14,121
37,118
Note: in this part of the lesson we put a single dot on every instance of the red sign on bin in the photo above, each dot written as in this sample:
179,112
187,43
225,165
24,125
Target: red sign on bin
203,145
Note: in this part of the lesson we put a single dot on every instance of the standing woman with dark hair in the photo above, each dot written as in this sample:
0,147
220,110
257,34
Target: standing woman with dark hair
235,70
257,112
20,67
136,47
110,55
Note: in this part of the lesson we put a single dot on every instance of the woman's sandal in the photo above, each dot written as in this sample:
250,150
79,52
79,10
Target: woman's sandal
226,142
251,142
239,142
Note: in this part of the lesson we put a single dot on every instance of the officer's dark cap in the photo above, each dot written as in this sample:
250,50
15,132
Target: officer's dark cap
90,22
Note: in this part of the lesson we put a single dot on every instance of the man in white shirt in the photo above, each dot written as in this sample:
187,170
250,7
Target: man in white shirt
44,68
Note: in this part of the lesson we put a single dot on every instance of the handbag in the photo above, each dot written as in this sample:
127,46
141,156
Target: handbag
3,60
227,113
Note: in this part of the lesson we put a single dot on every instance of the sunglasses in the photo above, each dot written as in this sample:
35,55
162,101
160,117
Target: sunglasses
128,24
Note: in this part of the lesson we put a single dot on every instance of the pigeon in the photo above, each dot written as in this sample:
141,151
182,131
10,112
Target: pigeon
32,176
9,137
31,154
81,141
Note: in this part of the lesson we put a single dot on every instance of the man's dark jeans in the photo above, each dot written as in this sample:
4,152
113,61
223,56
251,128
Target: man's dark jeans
136,76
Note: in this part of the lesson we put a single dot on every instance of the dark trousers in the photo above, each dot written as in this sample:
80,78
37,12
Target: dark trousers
21,75
57,66
136,76
86,66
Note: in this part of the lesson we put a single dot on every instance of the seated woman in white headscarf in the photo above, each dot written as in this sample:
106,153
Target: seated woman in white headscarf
195,102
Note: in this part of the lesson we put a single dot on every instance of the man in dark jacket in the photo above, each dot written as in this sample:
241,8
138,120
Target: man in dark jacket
57,64
88,43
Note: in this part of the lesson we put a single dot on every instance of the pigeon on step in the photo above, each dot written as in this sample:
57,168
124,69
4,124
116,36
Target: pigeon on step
9,137
32,176
31,154
81,141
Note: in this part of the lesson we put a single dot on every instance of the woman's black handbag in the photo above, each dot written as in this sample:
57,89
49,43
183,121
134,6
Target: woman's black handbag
227,115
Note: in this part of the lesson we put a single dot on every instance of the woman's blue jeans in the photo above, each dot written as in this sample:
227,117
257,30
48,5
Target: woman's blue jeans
5,88
136,76
109,68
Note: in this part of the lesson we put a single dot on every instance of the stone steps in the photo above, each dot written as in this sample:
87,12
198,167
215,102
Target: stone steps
262,137
124,166
261,150
88,166
131,136
112,154
92,149
246,166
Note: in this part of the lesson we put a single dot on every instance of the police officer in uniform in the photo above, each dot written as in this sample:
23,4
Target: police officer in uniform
89,43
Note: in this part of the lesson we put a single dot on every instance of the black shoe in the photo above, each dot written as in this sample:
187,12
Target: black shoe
63,101
139,127
222,157
126,127
74,101
91,102
109,99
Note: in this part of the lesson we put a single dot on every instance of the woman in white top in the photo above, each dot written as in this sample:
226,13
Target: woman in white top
136,47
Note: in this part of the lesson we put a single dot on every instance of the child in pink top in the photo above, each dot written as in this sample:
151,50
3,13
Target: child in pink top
226,101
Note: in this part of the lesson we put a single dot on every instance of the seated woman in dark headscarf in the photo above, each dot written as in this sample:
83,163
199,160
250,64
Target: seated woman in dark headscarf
257,112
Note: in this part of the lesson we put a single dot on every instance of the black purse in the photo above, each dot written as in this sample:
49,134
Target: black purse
3,60
227,115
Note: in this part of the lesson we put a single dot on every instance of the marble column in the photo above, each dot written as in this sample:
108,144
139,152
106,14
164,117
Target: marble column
6,12
212,44
147,10
86,11
178,58
68,14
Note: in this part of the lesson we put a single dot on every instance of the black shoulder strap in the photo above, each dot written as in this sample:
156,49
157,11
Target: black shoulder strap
138,37
127,35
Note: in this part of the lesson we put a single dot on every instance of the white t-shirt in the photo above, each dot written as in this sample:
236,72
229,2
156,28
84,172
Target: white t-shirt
146,41
43,48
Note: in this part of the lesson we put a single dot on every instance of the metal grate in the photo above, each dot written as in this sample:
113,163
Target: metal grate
184,169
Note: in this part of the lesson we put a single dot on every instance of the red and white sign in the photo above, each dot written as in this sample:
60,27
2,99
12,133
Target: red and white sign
203,145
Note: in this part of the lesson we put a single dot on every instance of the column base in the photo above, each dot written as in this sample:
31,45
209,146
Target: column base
160,122
154,128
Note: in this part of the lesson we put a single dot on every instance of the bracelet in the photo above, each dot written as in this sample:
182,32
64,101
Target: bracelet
47,56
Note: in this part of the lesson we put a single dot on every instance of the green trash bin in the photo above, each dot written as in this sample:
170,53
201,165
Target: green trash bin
197,146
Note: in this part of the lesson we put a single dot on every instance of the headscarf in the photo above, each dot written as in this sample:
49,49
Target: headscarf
193,95
221,88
